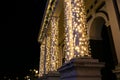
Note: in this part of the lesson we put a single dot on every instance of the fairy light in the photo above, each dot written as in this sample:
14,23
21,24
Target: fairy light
54,44
76,36
47,64
68,30
42,53
49,11
81,41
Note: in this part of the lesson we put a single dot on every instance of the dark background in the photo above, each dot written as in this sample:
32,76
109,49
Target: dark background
20,22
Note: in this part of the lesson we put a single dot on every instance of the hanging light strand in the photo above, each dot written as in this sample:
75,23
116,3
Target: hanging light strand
68,31
54,43
47,64
42,53
81,44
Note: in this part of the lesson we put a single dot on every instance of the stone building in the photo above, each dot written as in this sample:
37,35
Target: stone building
80,40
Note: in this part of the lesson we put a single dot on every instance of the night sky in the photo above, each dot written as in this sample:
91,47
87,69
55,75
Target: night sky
19,28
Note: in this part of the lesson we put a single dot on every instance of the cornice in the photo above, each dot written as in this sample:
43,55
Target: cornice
48,12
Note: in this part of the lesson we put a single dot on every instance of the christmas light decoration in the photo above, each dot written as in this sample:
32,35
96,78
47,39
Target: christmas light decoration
51,4
42,53
81,43
48,56
54,43
69,54
76,35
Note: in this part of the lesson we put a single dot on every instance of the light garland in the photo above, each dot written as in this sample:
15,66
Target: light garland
54,44
76,35
80,28
42,53
49,10
47,64
68,31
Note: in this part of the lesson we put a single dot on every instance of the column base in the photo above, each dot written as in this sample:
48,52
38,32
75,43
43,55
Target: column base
117,72
52,75
81,69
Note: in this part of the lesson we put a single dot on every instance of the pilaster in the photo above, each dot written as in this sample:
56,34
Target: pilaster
115,32
117,71
114,24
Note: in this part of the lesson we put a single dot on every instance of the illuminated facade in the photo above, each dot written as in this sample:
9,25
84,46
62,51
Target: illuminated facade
78,29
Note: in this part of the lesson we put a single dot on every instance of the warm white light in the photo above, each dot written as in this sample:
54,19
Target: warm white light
42,53
68,30
54,44
48,56
80,28
76,29
36,71
76,37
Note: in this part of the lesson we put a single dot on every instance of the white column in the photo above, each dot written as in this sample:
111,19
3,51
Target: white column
54,43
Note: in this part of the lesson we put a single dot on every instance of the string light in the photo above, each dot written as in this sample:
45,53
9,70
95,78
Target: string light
47,64
54,43
76,29
42,53
76,36
79,28
68,30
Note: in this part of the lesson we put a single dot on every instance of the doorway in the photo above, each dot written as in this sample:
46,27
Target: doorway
102,47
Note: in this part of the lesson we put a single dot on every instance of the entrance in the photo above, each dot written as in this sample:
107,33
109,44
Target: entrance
102,47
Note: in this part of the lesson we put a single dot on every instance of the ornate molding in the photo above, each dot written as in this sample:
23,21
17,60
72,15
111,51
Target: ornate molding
50,8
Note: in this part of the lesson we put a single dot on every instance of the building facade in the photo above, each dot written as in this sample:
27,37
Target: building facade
73,29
